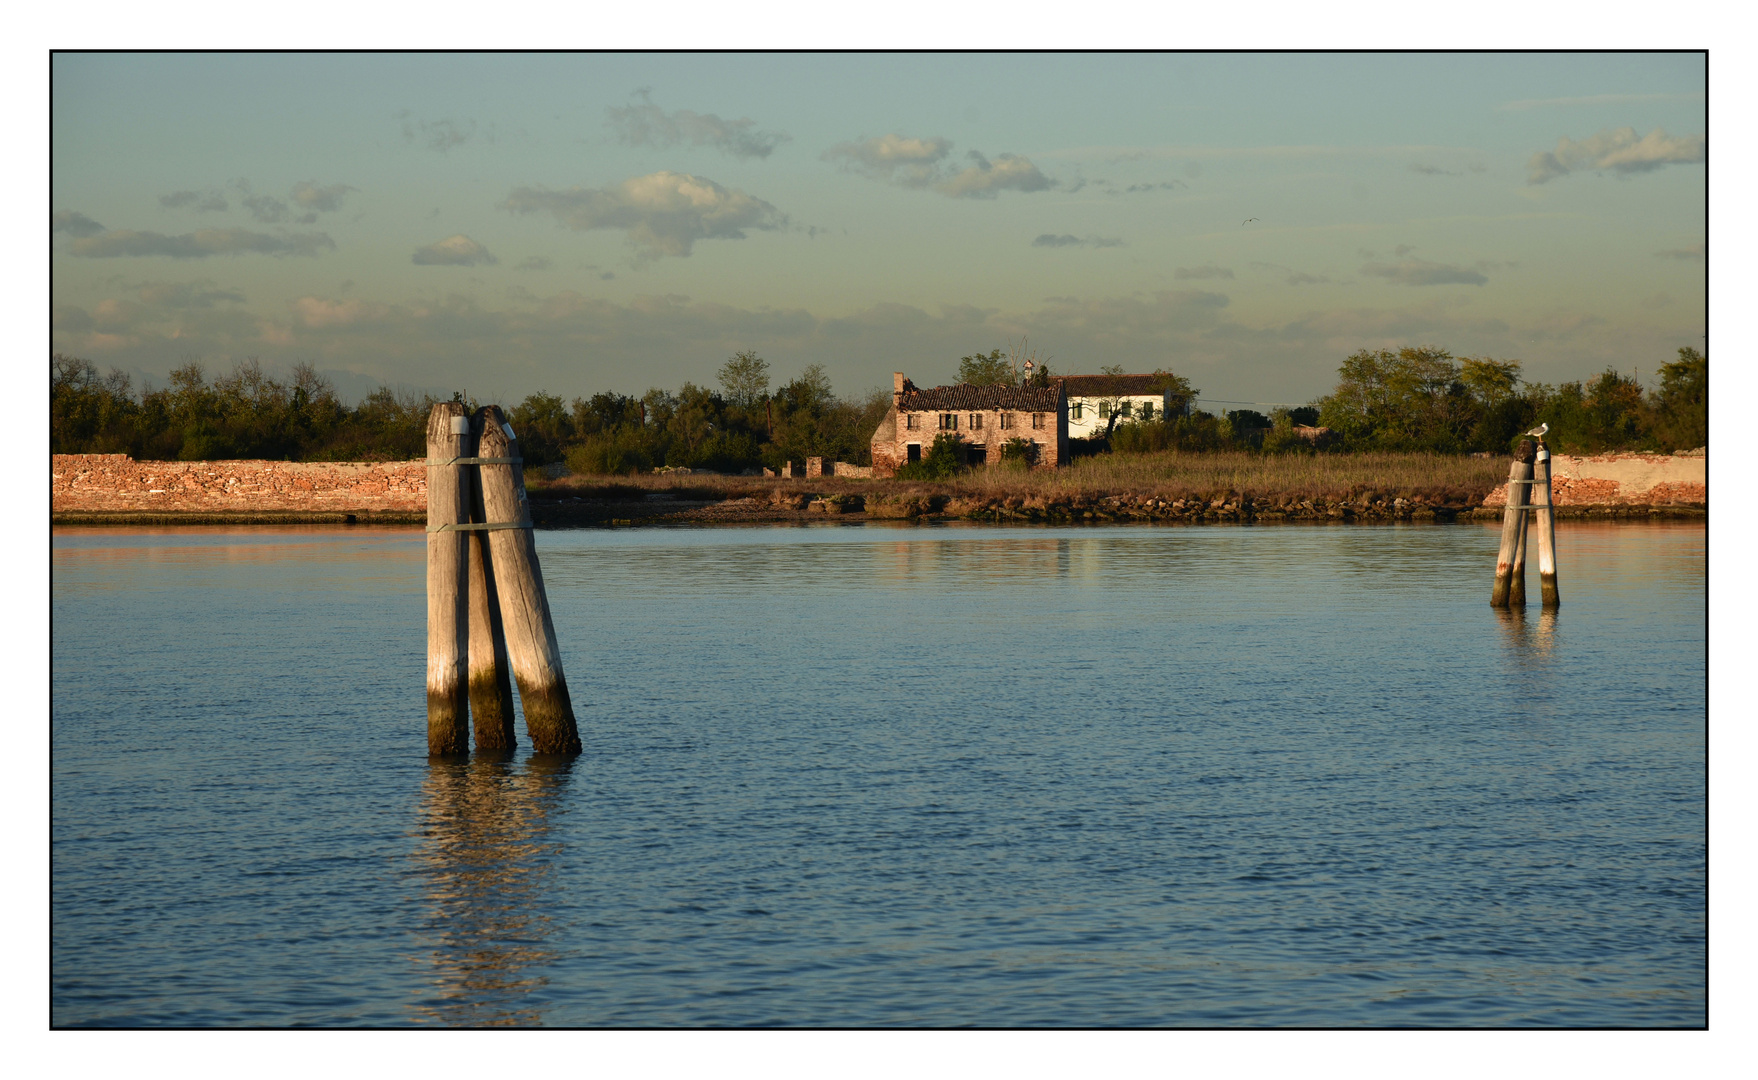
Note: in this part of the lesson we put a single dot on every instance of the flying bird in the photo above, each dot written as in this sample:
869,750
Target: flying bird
1538,432
1247,221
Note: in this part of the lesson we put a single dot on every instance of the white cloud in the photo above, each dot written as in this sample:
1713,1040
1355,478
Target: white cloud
1619,150
903,160
307,194
984,179
913,162
647,124
663,213
457,250
199,244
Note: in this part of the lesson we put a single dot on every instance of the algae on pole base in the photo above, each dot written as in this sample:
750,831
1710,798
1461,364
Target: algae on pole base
448,567
491,686
525,618
1519,478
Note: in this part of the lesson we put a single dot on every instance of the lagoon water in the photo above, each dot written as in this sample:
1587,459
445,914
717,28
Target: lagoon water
890,775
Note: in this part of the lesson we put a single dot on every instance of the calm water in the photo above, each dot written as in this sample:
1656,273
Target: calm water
868,775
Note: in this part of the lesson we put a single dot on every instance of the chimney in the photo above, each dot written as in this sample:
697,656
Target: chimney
897,382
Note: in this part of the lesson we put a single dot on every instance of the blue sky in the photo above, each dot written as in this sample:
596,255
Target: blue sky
506,224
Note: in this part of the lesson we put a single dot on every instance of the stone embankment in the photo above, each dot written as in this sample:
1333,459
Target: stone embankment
95,487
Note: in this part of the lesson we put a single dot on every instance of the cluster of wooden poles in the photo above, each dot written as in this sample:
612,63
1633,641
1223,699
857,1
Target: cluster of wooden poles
1530,472
486,608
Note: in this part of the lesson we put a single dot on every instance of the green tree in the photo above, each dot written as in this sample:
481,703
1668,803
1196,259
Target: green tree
991,369
745,378
1682,404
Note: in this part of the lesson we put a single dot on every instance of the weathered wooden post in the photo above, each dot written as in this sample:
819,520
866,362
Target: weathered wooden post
530,634
1519,478
491,685
1517,586
448,612
1544,523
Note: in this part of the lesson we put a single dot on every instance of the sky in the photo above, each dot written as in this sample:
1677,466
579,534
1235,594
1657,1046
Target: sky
506,224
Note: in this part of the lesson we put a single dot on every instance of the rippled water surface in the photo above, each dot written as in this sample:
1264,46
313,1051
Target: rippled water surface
867,775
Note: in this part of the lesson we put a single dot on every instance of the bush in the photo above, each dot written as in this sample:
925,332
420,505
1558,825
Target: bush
944,459
617,452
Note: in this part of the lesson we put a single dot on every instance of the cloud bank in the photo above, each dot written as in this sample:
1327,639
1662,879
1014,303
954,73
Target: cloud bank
663,213
457,250
200,244
73,223
647,124
1421,272
1619,150
1199,273
208,203
1052,240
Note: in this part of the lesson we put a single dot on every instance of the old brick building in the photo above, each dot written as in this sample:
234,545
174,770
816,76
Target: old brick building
982,418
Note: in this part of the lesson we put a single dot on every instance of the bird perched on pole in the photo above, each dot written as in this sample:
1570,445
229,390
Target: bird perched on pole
1538,432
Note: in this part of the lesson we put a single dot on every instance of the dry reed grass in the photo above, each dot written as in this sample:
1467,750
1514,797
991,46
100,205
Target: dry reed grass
1167,475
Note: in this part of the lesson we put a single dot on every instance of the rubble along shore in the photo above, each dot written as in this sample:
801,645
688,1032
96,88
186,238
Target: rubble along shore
117,491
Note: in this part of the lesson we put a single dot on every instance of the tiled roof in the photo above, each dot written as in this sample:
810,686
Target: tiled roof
1090,386
965,396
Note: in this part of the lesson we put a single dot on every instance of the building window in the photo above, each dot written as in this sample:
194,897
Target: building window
979,454
1104,410
1147,410
948,421
1006,421
1075,410
1128,407
976,421
913,451
909,421
1038,420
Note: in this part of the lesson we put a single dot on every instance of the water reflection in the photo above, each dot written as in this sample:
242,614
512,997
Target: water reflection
1528,637
487,857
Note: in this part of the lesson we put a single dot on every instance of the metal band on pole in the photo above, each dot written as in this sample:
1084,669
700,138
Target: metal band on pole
475,461
479,526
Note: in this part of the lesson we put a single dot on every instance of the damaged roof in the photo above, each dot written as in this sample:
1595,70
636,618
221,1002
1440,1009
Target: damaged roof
968,397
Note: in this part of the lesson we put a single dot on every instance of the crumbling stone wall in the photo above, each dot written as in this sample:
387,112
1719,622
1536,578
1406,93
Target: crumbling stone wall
118,483
1611,479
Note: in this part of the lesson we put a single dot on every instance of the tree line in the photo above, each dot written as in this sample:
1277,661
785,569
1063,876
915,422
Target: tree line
1409,399
1423,399
246,413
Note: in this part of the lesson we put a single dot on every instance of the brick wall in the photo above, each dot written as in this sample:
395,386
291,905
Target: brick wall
891,441
116,482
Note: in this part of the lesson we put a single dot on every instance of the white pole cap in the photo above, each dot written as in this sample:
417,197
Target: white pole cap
460,425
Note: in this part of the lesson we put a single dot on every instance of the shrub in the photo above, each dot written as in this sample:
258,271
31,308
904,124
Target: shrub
944,460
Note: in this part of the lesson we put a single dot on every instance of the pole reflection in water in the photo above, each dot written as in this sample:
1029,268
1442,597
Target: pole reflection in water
1528,638
486,859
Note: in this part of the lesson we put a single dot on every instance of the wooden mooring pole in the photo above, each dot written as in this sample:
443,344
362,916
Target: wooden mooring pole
1517,584
1544,523
491,685
530,633
448,568
1513,521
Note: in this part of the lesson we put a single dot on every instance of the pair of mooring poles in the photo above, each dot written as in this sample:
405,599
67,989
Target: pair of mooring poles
486,608
1530,471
